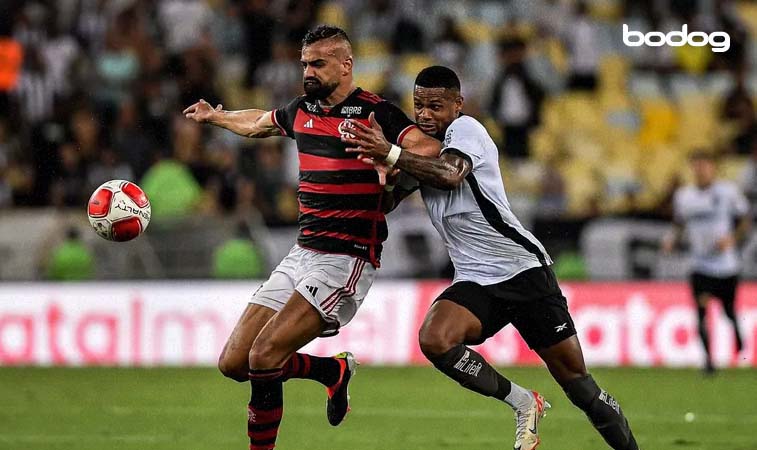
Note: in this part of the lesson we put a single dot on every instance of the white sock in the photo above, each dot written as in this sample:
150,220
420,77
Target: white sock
519,397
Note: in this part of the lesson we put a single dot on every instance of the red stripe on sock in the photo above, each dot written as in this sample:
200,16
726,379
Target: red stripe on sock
264,435
261,447
267,375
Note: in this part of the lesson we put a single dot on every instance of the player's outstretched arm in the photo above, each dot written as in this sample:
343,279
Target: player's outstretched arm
421,158
253,123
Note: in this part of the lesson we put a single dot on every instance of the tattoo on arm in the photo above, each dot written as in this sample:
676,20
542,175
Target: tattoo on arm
445,172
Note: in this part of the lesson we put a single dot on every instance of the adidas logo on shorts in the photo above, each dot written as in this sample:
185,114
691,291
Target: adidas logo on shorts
312,289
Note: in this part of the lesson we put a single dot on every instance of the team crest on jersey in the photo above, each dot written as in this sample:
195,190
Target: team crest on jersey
344,128
352,110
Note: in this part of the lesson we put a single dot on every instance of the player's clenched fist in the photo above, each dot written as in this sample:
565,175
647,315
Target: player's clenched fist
201,111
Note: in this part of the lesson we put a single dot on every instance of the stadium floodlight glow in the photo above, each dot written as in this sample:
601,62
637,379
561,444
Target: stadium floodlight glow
719,41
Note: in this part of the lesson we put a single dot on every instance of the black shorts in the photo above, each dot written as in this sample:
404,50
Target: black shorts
532,301
721,288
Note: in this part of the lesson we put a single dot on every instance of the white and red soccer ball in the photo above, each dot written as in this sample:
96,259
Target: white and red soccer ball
119,210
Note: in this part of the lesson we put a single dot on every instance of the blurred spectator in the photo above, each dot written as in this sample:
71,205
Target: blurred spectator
282,75
131,141
582,37
269,179
408,37
516,99
70,260
60,52
183,22
92,23
738,108
171,188
748,182
86,133
552,201
35,91
69,187
175,185
109,167
449,47
238,258
259,31
375,19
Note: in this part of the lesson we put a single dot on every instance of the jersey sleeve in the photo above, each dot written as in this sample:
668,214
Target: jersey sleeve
739,202
393,121
283,118
463,139
677,212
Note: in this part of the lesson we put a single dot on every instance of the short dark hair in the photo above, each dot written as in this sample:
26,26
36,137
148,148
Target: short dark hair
438,77
322,32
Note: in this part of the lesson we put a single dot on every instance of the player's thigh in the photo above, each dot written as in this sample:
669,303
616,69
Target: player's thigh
234,356
463,313
702,288
447,324
335,286
565,360
290,329
267,300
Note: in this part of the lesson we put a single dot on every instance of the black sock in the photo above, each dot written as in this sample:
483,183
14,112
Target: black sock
603,411
703,334
265,408
472,372
323,370
729,311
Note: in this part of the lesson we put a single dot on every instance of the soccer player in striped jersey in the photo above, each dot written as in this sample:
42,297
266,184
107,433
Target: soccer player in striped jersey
502,272
320,285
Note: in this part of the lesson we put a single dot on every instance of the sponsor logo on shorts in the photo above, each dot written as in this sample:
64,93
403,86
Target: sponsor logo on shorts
312,289
562,327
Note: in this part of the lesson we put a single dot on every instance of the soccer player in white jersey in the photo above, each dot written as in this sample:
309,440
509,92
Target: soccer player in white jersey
502,272
707,212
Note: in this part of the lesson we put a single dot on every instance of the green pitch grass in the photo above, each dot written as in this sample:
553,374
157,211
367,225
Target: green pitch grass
393,409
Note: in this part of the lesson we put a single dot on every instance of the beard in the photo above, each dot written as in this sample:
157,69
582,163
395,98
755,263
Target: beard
315,89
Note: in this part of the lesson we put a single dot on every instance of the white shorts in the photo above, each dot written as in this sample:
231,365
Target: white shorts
334,284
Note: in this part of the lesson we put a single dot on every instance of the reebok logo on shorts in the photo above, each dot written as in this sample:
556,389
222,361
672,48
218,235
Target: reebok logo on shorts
312,289
562,327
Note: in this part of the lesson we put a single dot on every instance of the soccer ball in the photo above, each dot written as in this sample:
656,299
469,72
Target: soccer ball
119,210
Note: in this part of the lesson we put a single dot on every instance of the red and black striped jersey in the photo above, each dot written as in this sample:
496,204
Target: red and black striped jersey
340,197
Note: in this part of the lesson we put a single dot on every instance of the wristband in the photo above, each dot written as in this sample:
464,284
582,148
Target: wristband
393,156
388,187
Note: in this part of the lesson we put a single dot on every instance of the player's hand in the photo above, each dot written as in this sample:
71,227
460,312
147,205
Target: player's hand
386,174
369,141
201,111
726,243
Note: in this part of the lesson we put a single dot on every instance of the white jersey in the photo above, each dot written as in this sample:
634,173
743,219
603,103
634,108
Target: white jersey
708,215
486,242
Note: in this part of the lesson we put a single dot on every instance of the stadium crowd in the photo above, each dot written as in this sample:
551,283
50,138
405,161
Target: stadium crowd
586,125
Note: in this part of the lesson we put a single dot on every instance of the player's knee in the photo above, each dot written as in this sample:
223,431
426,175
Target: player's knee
435,341
581,391
234,371
265,355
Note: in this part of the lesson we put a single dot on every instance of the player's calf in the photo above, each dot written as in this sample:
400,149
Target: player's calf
603,411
